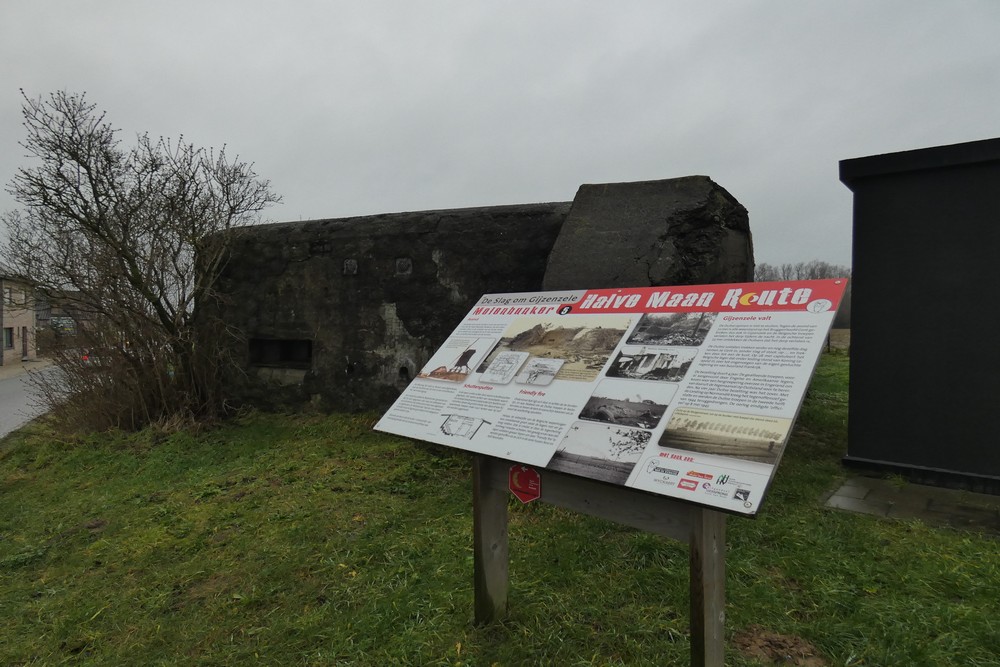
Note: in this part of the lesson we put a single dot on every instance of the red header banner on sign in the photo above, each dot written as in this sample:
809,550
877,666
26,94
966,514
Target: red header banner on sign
751,297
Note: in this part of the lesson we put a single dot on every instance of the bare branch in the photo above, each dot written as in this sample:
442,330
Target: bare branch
133,239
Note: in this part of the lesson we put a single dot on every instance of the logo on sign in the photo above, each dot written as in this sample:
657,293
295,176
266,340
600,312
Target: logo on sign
524,483
653,467
718,492
699,475
688,484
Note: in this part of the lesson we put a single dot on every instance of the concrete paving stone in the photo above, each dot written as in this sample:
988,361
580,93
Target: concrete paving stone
853,491
888,488
983,522
905,502
933,505
858,505
973,513
939,504
899,497
907,511
977,507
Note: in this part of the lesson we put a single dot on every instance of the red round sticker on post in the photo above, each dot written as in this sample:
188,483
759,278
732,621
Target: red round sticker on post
524,483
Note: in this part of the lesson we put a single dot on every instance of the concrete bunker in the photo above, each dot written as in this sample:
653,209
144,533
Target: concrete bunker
343,313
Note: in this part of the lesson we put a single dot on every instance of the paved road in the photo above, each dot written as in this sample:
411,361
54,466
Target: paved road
16,402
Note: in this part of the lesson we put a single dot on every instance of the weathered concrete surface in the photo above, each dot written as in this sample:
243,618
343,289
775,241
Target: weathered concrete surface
374,296
343,313
679,231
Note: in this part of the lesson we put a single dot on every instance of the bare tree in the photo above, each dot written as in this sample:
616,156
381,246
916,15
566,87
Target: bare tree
813,270
131,241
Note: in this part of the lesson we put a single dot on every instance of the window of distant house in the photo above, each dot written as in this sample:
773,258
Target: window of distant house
12,297
8,338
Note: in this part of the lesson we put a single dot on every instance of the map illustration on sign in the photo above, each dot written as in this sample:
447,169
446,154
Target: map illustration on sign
504,367
462,426
688,392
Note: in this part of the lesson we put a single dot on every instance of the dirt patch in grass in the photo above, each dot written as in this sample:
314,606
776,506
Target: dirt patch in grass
213,586
773,648
95,525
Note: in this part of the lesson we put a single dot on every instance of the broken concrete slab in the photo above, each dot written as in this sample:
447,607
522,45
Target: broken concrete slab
678,231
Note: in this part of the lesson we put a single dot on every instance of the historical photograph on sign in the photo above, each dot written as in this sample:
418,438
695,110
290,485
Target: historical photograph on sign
583,347
750,437
539,371
600,451
460,363
647,363
672,329
628,403
503,367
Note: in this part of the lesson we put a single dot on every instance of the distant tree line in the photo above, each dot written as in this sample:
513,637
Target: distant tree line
814,270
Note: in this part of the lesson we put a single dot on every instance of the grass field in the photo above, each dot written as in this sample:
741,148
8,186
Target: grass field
298,540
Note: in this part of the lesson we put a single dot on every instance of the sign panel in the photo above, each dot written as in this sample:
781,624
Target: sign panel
688,392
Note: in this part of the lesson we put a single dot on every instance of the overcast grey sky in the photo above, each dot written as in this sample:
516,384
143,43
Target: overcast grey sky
353,108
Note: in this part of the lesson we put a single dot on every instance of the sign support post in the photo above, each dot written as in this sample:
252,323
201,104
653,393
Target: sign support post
490,546
703,529
708,587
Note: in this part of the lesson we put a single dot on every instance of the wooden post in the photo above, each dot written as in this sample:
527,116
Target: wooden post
491,554
708,588
702,528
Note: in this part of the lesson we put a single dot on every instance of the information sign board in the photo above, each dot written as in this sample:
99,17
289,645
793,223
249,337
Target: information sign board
688,392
